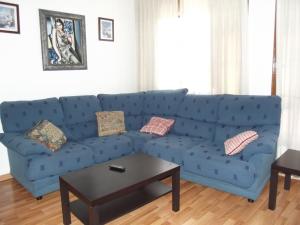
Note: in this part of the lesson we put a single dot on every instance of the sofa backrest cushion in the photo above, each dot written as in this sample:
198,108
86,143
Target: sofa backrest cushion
194,128
131,104
163,103
200,107
19,116
80,108
242,110
80,115
197,116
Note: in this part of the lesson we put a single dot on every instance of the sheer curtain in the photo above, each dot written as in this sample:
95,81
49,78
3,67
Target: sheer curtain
229,22
201,49
152,13
288,72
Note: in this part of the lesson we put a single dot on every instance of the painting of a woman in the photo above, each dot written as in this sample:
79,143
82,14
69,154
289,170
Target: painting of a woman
63,40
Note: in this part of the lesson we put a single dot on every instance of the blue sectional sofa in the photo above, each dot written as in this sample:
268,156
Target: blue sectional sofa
196,141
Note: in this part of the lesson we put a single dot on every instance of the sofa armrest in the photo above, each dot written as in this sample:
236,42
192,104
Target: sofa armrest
266,143
24,146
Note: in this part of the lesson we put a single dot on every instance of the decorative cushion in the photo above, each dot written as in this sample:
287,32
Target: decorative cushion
237,143
48,134
110,123
158,125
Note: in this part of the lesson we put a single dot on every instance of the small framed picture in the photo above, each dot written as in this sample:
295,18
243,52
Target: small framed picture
106,29
9,18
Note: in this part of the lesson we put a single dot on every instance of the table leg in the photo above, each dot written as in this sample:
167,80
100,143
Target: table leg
287,182
65,204
176,191
93,216
273,189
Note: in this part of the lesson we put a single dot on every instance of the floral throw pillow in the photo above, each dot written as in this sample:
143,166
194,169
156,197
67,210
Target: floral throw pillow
237,143
110,123
47,134
157,125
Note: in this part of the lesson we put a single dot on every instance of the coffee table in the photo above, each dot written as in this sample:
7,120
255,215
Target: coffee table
104,194
289,164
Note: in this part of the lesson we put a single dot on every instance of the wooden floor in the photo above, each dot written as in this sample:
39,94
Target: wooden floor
199,205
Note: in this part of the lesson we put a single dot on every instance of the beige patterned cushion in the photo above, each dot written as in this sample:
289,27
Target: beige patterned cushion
110,123
47,134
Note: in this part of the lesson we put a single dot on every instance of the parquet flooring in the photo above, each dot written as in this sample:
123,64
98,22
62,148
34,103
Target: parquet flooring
199,205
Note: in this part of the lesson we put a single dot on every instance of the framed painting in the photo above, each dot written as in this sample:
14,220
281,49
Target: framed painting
9,18
63,40
106,29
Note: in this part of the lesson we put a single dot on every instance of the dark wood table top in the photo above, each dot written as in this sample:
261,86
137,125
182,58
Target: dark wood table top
289,162
98,184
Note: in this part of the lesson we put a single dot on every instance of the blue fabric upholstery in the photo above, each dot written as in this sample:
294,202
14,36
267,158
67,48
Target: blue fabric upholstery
170,147
163,103
19,116
80,117
131,104
232,170
193,128
202,124
109,147
197,116
23,145
266,142
139,139
200,107
242,110
72,156
82,130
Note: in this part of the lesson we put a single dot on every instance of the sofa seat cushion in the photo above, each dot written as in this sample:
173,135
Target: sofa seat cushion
109,147
72,156
171,147
139,139
210,161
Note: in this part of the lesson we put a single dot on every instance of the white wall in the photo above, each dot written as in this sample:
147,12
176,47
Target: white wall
112,66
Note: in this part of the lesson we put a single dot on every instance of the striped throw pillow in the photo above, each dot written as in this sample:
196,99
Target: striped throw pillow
158,125
237,143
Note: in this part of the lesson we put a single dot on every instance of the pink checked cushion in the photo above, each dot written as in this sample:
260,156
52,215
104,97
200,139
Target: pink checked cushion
158,125
237,143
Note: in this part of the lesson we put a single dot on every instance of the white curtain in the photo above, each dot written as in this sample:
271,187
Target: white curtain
201,50
229,22
150,14
288,72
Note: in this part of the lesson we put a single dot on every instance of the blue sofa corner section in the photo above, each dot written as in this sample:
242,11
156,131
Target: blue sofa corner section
196,141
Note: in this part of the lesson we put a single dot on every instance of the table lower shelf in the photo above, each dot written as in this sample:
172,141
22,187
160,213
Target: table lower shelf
122,205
